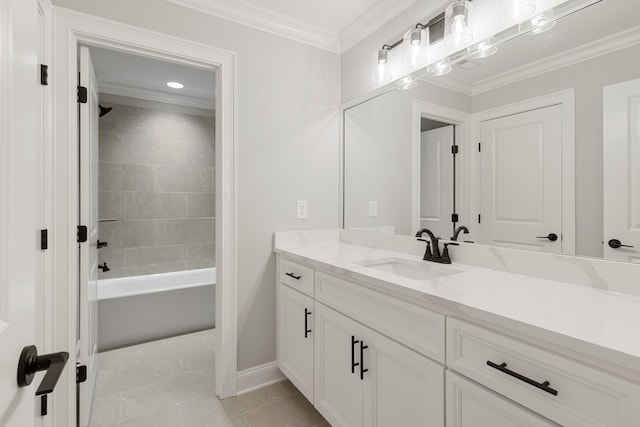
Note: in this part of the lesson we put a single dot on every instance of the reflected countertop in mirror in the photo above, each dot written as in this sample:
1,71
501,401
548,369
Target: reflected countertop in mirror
546,137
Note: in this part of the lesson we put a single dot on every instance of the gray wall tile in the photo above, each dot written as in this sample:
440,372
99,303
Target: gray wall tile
148,205
201,205
156,177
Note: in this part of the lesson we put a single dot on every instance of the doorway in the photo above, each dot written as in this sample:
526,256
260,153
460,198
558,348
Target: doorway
147,267
71,31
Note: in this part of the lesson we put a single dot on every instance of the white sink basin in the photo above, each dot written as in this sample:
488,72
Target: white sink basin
422,270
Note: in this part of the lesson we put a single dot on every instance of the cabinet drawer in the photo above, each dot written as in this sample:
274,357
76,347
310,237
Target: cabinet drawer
415,327
297,276
585,396
471,405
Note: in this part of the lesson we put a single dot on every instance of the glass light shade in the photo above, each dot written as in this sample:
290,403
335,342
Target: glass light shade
538,24
483,49
414,44
407,83
516,10
380,70
458,29
440,68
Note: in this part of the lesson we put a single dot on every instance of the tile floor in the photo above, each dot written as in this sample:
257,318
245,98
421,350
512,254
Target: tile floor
170,383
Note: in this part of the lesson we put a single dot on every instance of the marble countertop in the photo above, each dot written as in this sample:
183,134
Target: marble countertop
600,323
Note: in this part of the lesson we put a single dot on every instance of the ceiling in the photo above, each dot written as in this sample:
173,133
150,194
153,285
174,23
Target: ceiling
597,29
139,77
334,25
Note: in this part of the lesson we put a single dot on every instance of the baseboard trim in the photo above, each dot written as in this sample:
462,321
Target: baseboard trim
258,377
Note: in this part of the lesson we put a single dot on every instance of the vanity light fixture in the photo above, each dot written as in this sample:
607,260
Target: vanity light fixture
415,45
458,29
516,10
381,73
483,49
175,85
440,68
538,24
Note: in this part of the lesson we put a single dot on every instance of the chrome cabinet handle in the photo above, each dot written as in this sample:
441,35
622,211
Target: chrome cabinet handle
293,276
615,244
542,386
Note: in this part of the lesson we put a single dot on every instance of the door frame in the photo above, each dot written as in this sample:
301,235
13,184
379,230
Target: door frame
71,29
566,99
461,122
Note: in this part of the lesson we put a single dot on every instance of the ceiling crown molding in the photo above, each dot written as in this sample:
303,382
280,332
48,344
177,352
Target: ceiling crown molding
245,13
370,21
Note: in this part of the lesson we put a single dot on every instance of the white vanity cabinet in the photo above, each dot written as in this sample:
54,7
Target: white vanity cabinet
295,338
363,378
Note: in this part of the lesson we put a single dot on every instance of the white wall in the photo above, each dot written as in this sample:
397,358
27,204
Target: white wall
588,78
287,142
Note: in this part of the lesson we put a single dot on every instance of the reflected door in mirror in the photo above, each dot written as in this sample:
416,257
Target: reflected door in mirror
520,161
622,171
436,181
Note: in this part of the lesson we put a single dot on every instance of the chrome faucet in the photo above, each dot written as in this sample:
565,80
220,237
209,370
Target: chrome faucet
435,256
456,233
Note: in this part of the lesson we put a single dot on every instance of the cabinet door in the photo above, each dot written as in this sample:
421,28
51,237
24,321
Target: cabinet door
338,388
471,405
295,339
401,387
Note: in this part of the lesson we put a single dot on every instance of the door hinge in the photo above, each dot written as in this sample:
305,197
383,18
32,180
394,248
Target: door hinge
454,218
44,75
479,147
478,218
44,239
82,95
454,149
82,233
81,374
44,409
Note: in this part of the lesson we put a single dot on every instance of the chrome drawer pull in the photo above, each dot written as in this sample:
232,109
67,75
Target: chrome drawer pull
542,386
293,275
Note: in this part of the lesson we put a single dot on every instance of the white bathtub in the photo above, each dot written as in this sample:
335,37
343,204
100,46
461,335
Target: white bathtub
136,309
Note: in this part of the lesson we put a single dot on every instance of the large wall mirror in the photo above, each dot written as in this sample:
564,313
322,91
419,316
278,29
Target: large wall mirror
536,147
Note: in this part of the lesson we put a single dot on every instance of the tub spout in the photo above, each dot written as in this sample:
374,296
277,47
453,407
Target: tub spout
104,267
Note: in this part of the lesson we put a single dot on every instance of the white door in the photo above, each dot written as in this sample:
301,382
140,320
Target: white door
521,180
471,405
622,171
295,338
19,204
401,387
436,181
338,387
88,303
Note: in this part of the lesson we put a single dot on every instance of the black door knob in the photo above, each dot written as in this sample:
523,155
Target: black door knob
551,236
615,244
30,363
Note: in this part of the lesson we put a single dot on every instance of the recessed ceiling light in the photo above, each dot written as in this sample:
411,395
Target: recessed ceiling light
175,85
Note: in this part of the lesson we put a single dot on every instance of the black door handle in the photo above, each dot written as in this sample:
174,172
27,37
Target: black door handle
542,386
362,368
615,244
306,323
30,363
551,236
293,276
354,341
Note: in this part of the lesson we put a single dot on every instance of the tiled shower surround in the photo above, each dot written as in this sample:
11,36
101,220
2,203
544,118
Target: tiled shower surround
156,179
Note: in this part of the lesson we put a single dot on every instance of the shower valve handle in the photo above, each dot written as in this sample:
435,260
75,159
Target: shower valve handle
102,244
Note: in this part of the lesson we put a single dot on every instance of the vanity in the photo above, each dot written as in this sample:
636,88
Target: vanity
374,336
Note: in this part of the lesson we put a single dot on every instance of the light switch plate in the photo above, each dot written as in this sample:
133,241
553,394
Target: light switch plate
302,209
373,208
